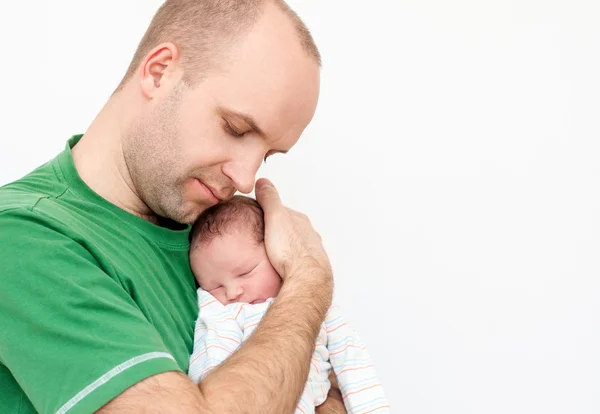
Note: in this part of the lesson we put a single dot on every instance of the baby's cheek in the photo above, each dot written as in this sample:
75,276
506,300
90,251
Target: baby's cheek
220,296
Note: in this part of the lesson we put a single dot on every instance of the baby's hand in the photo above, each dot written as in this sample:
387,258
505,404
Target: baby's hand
293,246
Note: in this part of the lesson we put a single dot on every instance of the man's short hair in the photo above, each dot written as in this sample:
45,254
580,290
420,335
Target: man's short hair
240,213
204,29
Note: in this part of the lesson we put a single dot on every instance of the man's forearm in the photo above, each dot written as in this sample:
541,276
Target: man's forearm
269,372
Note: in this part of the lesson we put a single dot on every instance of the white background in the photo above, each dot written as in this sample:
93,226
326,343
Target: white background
452,169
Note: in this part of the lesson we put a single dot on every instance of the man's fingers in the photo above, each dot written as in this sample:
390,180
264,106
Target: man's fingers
267,195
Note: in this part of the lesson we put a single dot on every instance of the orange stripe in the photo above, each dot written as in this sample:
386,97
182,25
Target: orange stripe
207,303
349,346
315,366
239,311
364,389
354,369
337,327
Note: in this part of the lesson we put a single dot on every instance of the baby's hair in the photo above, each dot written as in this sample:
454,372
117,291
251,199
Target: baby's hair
238,213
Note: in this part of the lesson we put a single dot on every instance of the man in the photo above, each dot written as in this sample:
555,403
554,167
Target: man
98,303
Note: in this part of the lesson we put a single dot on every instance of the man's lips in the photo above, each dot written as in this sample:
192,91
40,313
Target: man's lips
208,192
218,195
214,194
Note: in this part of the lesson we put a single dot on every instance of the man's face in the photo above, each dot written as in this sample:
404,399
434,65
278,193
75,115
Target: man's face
196,145
235,268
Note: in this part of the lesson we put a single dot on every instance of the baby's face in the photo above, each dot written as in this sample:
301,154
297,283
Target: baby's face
235,268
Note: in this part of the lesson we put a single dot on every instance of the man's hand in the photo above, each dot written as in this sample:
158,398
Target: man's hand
290,240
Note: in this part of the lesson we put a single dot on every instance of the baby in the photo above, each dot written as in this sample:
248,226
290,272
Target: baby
238,284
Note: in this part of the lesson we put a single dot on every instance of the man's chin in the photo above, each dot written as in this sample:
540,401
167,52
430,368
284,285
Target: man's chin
190,214
179,217
189,217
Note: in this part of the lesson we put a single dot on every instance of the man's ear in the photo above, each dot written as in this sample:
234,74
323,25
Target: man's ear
158,68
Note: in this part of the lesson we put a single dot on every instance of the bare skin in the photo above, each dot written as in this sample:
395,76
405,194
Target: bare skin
162,149
334,404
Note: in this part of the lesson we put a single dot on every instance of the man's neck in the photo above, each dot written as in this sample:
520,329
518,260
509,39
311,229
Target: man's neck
100,162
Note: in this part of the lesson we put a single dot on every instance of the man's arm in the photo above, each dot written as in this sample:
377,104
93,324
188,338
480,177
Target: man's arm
269,371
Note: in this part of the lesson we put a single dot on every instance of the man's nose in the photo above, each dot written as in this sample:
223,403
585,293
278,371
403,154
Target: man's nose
243,173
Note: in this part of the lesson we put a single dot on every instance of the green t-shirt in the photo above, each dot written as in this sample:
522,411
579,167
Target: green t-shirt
92,299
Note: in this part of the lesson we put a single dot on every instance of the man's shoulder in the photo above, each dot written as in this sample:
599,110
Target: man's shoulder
20,200
14,200
25,193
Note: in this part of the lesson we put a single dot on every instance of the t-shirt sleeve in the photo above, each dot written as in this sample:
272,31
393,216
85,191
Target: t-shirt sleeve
71,335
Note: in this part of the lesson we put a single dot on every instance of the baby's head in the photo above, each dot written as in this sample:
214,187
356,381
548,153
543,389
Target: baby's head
228,255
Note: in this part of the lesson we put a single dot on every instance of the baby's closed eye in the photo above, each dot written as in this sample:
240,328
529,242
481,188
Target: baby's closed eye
212,289
248,272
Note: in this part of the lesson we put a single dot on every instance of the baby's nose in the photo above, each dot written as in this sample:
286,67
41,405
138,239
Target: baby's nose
234,293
